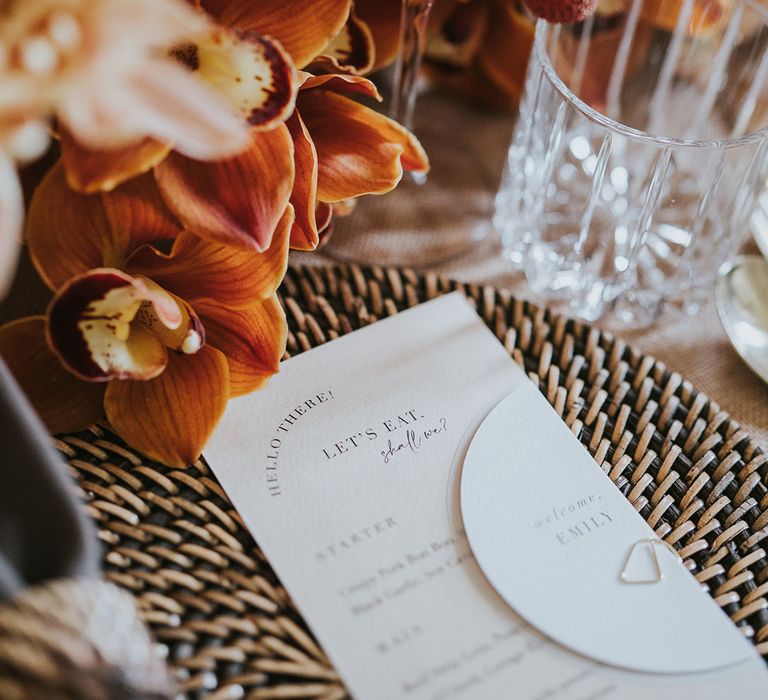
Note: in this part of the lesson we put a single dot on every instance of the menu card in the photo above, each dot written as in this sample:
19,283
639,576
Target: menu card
347,468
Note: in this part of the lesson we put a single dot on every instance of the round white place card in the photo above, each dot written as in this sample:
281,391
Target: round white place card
567,551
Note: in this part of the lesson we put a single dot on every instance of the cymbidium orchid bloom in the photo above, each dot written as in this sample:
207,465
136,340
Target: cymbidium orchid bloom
480,49
341,148
156,341
101,68
331,149
238,200
344,150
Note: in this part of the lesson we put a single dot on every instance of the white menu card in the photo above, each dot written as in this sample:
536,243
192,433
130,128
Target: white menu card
346,469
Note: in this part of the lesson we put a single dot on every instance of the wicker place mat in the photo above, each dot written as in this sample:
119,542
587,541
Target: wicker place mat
174,540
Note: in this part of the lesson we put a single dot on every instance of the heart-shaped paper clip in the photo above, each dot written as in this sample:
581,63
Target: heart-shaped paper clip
652,542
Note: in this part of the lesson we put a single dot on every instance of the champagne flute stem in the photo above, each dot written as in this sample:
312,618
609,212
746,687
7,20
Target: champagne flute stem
413,39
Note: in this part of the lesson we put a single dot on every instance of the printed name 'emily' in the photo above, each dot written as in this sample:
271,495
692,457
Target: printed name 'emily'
583,528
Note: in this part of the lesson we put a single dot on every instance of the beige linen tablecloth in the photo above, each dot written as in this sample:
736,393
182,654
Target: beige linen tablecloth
468,149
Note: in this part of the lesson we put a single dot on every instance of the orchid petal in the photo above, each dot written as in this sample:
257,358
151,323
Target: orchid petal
359,150
181,109
253,340
127,22
304,234
462,33
352,50
505,49
101,170
238,201
70,233
383,20
64,402
90,326
65,230
11,217
171,417
198,269
164,101
254,73
342,84
303,27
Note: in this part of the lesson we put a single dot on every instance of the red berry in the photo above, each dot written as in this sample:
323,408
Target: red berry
562,11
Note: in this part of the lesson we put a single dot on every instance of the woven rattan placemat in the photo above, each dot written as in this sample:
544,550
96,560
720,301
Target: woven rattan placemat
174,540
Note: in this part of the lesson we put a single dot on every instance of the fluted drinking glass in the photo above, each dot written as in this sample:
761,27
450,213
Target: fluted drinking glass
638,156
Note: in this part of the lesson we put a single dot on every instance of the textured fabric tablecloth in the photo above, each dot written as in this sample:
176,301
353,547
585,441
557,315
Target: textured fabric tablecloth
468,149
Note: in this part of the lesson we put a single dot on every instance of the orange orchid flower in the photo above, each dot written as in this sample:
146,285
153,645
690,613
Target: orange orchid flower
239,200
353,50
332,148
100,67
342,148
156,341
479,49
383,20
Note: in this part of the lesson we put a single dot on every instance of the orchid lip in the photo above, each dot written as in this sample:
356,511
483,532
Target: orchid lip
352,50
250,70
64,336
106,325
277,106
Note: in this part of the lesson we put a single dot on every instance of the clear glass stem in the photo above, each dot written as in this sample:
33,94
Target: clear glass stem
413,39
